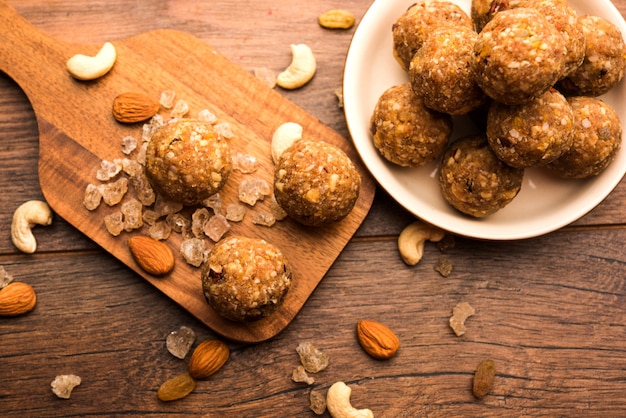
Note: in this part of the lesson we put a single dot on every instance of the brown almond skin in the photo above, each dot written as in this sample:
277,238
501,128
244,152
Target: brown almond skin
484,378
153,256
208,357
17,298
176,388
377,340
134,107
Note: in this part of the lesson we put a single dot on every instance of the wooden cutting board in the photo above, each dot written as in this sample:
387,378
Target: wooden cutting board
77,131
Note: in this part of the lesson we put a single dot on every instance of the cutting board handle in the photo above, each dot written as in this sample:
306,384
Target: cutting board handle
25,51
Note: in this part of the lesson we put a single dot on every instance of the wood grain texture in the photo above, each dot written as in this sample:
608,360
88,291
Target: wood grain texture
550,311
77,131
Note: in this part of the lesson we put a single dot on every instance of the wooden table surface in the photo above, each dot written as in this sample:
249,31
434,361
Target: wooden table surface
550,311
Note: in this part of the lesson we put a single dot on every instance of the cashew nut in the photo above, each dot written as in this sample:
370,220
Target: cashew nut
338,403
83,67
26,216
412,238
301,70
284,136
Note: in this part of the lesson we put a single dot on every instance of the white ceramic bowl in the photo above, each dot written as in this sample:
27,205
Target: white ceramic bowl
544,203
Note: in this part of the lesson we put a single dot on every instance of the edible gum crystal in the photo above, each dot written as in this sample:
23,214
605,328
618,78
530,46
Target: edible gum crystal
311,358
5,278
133,217
264,218
253,190
214,202
198,219
63,385
179,341
299,375
129,144
92,197
160,230
235,212
192,250
245,163
109,169
216,227
113,193
114,223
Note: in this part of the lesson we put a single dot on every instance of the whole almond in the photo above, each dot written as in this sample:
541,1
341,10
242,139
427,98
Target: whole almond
17,298
176,388
377,340
208,357
153,256
134,107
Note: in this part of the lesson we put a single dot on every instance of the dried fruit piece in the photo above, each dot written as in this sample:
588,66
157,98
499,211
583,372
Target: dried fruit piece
154,257
64,384
17,298
336,19
460,313
311,358
134,107
208,357
377,340
484,378
176,388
